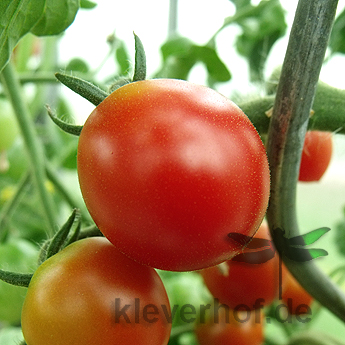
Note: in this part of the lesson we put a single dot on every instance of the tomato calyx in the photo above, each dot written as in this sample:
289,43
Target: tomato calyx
60,239
48,249
93,93
66,127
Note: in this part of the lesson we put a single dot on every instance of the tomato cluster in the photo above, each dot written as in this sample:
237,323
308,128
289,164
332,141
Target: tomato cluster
167,170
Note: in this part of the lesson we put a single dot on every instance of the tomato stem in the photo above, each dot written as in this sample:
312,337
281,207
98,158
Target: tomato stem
328,107
33,145
304,57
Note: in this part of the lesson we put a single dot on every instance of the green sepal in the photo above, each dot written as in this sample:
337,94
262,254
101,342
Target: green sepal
75,235
87,90
140,60
66,127
59,240
17,279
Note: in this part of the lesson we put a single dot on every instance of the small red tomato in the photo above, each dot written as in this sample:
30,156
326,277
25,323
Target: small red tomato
90,293
252,284
316,155
168,168
294,296
231,327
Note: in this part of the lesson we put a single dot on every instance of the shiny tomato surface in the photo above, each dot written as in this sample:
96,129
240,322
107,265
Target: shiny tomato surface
231,327
252,284
90,293
316,155
168,168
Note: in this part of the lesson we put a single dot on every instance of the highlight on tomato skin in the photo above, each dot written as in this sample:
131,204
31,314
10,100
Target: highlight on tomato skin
254,285
90,293
168,168
316,155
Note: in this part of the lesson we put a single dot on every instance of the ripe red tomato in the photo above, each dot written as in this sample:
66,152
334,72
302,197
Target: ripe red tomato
168,168
90,293
316,155
230,327
253,285
294,296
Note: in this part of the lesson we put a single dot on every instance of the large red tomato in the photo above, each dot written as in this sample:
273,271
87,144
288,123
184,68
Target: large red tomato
90,293
252,284
168,168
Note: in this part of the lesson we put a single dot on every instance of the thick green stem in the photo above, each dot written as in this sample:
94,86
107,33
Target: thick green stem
328,110
34,147
289,122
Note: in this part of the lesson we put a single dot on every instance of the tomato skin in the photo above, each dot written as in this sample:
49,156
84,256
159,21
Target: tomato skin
72,297
168,168
239,329
316,155
245,283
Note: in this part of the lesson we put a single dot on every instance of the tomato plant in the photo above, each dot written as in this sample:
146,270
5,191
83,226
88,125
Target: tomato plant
15,255
316,155
168,168
228,327
252,284
173,172
90,293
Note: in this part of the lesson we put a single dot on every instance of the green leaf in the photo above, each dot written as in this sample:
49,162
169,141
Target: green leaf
58,15
337,39
241,3
262,26
87,4
180,55
216,69
177,46
17,18
77,65
122,58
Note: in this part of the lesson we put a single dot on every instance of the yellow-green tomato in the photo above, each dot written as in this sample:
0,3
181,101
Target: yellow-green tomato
91,294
